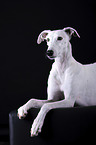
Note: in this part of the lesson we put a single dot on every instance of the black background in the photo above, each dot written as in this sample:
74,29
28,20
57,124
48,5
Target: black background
24,67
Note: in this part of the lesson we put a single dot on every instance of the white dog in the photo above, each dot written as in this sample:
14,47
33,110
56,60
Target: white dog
69,81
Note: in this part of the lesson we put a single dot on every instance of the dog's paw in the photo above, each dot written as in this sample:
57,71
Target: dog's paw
36,127
22,112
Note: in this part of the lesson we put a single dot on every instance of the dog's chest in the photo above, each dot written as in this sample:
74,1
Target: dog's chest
60,79
64,79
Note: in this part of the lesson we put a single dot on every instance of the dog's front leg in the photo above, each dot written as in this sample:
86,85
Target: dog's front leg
38,122
32,103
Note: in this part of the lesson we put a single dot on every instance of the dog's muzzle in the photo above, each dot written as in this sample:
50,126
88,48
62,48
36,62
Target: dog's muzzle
50,54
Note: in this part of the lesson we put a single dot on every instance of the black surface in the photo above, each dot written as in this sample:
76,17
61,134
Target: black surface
61,126
4,143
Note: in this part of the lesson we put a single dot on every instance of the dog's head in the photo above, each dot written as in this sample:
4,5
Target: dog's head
57,41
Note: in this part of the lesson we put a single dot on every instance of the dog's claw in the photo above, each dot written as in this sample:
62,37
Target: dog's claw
33,135
21,112
36,127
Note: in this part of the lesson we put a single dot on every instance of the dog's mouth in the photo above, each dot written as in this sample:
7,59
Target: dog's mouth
51,57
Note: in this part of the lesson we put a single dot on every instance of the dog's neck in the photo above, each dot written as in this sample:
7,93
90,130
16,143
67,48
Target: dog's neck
65,60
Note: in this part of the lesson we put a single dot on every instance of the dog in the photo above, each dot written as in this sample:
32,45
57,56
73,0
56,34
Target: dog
69,81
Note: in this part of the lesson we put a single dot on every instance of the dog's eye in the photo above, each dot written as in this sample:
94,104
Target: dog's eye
47,39
59,38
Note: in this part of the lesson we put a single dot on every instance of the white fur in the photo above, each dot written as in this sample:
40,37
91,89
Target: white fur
75,81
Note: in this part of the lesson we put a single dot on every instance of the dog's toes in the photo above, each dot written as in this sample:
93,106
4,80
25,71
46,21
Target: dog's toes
33,134
35,130
21,113
18,115
21,117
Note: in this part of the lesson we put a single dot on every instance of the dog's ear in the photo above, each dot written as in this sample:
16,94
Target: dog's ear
70,31
42,36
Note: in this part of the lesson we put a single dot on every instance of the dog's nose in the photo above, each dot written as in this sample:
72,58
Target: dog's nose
49,52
